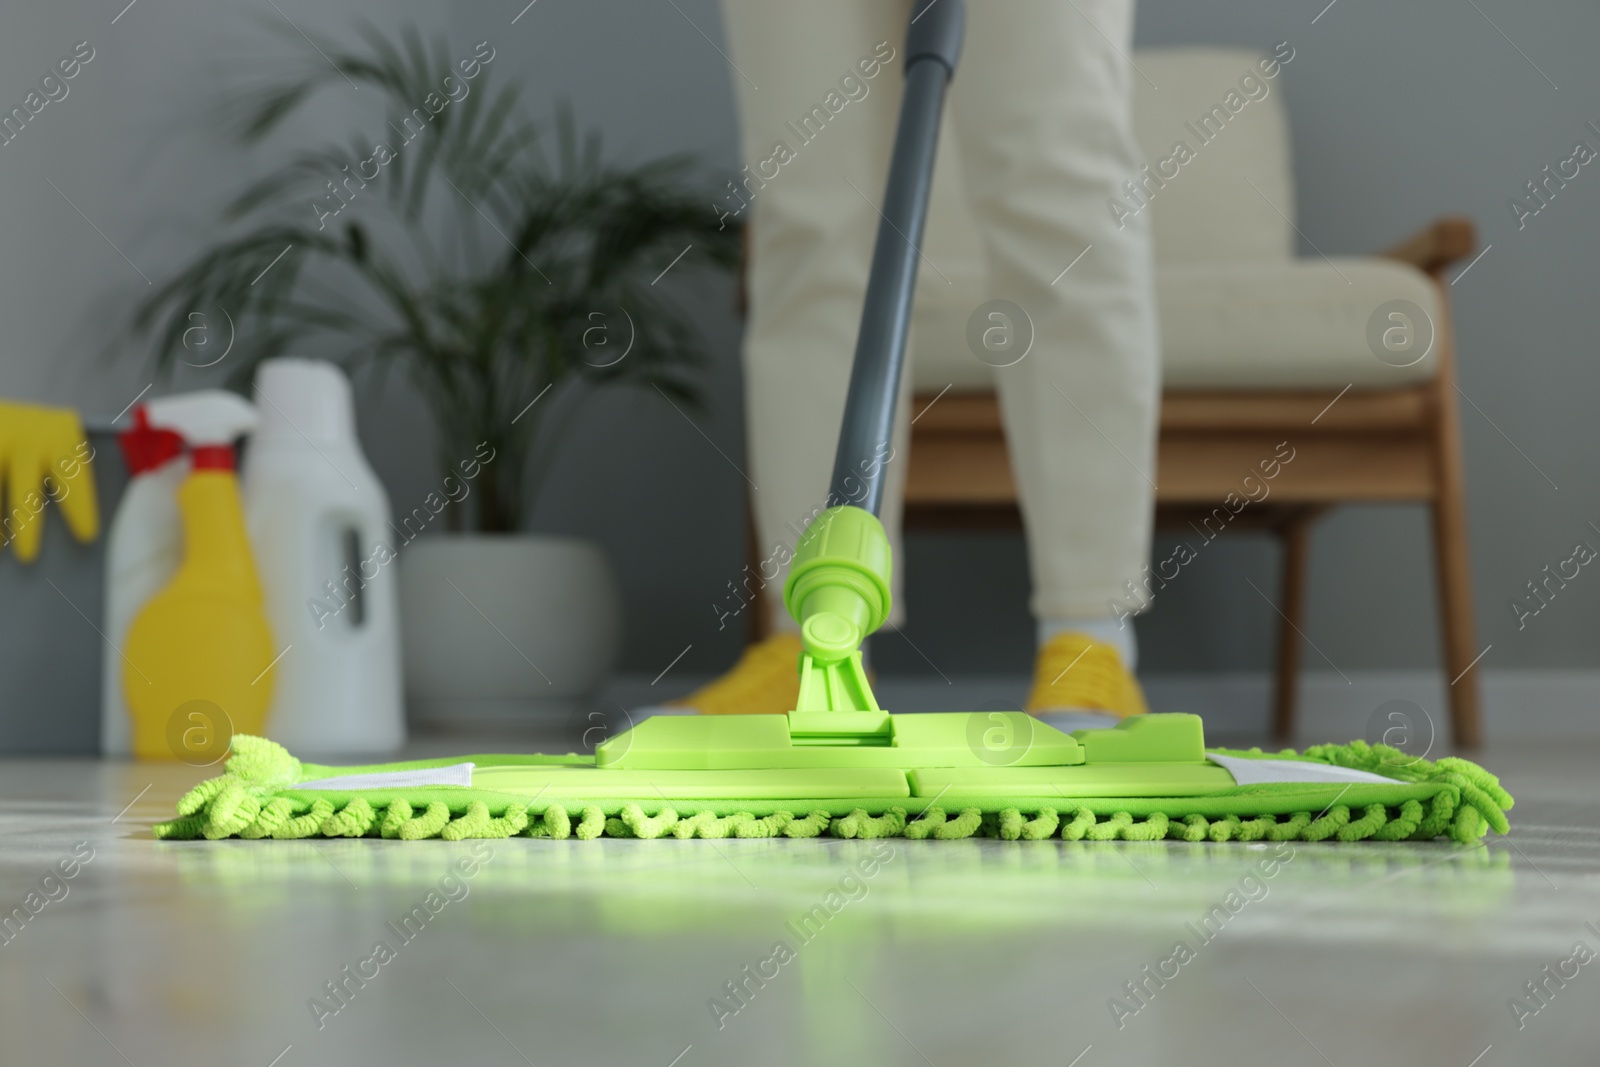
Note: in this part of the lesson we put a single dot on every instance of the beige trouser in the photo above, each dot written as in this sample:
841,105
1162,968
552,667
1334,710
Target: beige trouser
1039,117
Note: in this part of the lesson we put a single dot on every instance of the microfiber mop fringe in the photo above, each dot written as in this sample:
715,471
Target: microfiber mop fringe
256,798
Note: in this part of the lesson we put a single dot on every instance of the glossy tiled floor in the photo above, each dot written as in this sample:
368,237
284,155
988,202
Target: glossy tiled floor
619,952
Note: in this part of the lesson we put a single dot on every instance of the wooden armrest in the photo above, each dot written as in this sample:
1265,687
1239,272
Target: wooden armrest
1437,245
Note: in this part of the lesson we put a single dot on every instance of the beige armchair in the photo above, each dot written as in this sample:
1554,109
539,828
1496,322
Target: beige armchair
1259,348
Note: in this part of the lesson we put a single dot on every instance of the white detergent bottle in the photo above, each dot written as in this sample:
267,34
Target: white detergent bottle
145,545
319,525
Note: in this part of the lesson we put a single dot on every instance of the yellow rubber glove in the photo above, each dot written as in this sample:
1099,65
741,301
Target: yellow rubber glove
39,444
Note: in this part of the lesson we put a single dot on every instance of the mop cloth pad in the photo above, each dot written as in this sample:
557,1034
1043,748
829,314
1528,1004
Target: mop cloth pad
1353,792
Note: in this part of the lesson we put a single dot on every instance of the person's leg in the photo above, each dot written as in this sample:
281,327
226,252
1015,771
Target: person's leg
818,87
1042,109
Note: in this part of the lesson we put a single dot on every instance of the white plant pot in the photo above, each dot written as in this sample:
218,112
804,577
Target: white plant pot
505,630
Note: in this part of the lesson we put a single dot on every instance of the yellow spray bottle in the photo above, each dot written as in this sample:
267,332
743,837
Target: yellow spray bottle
198,658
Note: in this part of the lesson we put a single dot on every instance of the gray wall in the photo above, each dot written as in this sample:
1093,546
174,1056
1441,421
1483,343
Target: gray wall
1400,112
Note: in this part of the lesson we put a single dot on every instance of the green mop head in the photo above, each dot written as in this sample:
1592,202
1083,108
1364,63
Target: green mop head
1354,792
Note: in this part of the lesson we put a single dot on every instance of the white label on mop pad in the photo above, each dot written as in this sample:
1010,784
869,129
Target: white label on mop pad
455,774
1262,771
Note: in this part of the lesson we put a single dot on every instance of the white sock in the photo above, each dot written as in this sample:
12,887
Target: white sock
1119,636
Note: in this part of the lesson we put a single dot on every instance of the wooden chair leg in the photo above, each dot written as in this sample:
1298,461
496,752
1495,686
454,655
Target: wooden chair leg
1450,556
1455,616
1295,536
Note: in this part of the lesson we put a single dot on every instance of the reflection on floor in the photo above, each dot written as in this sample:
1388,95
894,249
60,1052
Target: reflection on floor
805,952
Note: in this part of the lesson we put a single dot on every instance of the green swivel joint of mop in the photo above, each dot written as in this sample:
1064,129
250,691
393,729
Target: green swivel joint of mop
838,591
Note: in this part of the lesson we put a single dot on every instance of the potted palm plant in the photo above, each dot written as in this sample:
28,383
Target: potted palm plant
509,272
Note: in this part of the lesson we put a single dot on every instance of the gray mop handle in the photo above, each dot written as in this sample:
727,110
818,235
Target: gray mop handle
932,44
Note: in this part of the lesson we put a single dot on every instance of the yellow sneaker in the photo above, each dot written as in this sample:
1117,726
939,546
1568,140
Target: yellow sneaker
765,681
1077,673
